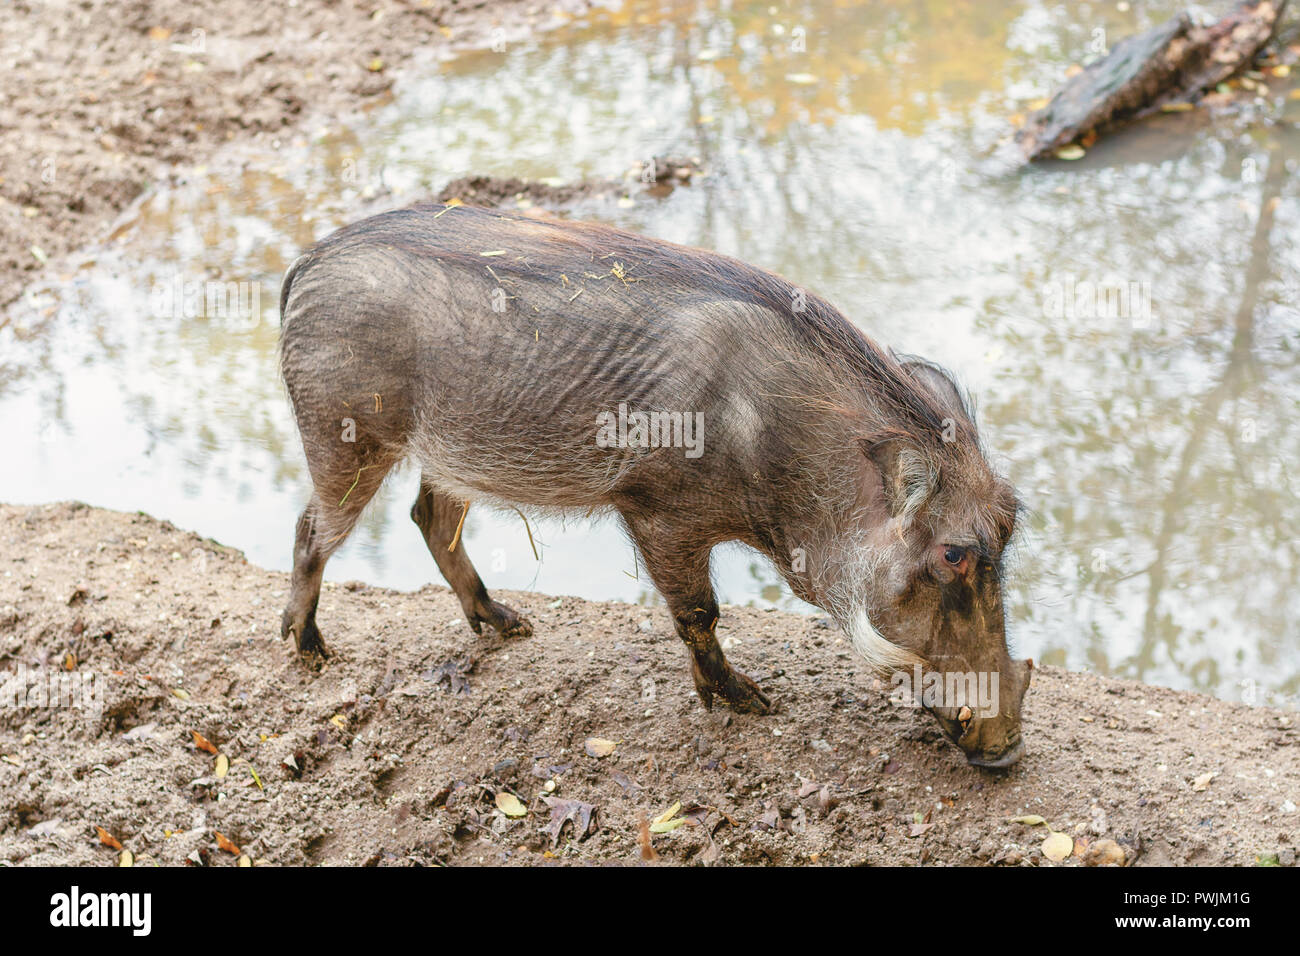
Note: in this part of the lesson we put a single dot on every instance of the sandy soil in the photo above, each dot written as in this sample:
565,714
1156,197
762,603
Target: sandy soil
99,98
408,745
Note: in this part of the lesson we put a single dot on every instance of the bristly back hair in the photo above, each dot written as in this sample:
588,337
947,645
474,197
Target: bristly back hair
880,398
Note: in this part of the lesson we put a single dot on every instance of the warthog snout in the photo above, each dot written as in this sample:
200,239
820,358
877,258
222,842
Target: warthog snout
990,735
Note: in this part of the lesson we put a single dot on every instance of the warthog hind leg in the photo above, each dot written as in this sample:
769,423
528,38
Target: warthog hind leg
439,518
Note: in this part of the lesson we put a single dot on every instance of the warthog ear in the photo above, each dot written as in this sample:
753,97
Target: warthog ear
940,383
905,474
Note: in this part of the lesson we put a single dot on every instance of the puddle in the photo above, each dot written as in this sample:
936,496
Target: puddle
1129,334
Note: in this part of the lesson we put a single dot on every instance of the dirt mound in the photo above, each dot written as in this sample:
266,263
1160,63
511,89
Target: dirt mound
410,744
498,191
667,174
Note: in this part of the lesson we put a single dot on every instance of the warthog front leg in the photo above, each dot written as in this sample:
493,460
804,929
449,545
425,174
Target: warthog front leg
681,573
439,517
709,667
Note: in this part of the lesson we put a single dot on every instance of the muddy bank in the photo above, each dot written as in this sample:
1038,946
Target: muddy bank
408,745
100,99
667,174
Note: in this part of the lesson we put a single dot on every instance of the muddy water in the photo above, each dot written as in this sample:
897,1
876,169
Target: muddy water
1127,323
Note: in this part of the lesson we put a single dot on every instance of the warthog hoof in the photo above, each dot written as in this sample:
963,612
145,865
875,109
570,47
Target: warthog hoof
311,646
738,691
506,621
306,636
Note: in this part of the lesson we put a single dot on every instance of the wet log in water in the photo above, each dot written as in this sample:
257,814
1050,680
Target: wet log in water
1167,65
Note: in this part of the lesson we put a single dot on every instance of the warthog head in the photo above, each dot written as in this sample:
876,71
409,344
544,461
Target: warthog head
918,578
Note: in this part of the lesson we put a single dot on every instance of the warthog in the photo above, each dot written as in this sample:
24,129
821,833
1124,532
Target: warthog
520,362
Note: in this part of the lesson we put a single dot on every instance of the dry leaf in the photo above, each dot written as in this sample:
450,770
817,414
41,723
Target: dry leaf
626,782
669,813
581,815
643,840
108,839
599,747
203,743
1104,853
1203,781
667,826
224,844
1057,847
1031,820
665,822
509,804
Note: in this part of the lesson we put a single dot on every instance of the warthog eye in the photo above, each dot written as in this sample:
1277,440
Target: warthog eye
954,556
